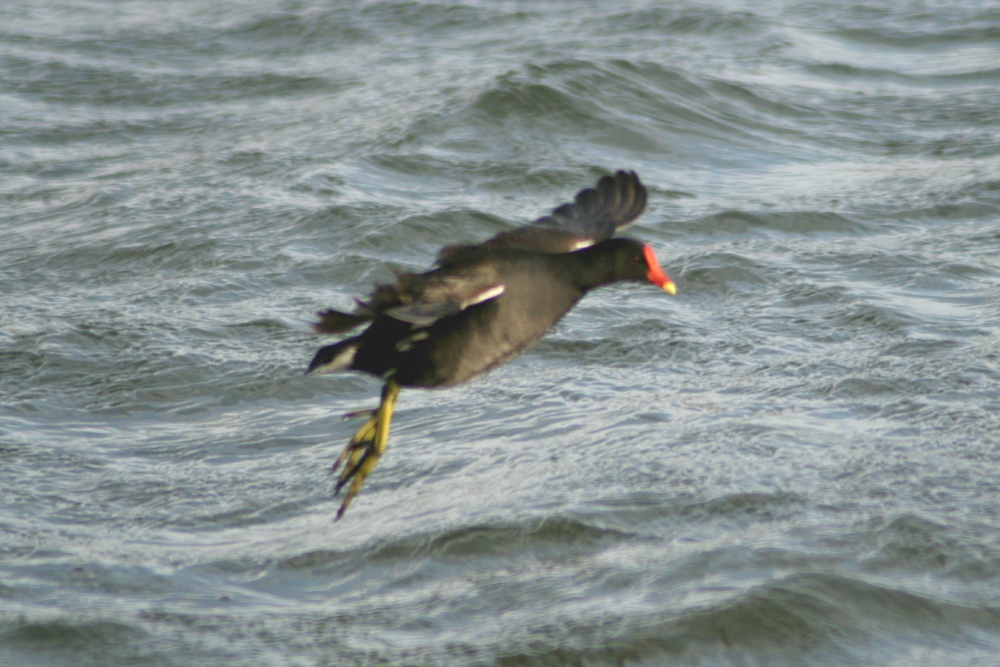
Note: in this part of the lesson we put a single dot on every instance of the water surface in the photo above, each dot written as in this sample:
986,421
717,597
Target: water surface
794,460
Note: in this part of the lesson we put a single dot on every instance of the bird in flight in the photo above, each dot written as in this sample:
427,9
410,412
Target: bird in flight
482,305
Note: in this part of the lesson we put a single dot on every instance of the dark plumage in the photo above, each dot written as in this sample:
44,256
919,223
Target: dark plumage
483,305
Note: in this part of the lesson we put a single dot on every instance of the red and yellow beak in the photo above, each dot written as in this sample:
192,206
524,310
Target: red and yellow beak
656,274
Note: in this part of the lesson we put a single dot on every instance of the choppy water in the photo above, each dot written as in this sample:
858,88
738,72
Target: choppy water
795,461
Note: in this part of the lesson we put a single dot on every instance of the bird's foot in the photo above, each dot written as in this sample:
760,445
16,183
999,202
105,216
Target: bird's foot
365,448
359,459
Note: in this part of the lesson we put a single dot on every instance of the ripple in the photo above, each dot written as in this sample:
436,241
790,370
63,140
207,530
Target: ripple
794,460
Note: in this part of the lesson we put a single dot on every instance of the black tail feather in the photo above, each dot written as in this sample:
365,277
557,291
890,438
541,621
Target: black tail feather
333,358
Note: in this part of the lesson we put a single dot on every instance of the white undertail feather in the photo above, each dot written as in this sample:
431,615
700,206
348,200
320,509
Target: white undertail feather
341,362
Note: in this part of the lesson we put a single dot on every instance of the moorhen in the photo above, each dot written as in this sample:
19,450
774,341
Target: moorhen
482,305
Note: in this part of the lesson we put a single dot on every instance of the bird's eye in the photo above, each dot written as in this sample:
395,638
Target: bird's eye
636,259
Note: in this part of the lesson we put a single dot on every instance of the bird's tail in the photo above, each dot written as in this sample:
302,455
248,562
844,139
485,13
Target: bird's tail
336,357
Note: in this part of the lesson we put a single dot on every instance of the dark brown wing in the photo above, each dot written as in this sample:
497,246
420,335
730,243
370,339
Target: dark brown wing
422,298
337,321
593,216
419,298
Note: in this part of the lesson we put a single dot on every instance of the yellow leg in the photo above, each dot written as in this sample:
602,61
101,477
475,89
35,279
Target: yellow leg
363,451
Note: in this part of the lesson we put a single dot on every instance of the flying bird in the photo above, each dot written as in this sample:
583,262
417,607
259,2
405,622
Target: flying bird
482,305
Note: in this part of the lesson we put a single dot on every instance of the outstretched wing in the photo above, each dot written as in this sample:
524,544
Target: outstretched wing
423,298
593,216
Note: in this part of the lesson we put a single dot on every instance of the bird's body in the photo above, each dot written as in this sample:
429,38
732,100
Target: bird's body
483,305
538,289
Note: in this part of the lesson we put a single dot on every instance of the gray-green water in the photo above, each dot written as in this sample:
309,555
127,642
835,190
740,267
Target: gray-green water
795,461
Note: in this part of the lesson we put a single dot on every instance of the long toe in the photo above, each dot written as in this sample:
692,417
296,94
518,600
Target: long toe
354,466
364,450
360,474
355,451
349,471
361,440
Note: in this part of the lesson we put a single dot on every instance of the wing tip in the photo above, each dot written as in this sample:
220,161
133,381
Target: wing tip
628,197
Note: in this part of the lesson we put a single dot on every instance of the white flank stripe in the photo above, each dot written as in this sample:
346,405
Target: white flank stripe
485,295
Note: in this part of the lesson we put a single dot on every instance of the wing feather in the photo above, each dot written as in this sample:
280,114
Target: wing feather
460,281
419,298
593,216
